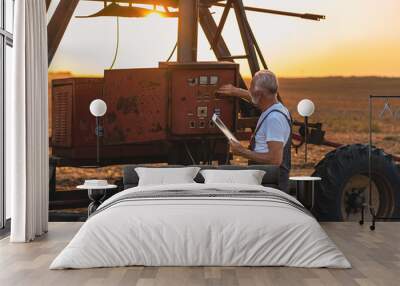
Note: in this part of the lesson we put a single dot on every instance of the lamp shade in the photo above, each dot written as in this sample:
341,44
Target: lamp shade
98,107
306,107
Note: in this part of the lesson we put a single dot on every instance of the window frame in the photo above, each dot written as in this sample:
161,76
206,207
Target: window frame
6,39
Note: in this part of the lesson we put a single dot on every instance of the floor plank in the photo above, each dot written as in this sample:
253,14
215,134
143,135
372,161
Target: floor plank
375,257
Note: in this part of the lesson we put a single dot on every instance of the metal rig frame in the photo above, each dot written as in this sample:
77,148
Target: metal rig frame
191,12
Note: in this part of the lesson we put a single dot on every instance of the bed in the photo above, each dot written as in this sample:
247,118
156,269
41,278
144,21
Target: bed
197,224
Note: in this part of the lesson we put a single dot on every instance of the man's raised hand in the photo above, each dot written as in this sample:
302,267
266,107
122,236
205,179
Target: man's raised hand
227,90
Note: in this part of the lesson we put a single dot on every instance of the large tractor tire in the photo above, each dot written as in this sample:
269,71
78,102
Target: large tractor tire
344,186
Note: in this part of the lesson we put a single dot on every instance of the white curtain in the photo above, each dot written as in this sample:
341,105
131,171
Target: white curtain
27,163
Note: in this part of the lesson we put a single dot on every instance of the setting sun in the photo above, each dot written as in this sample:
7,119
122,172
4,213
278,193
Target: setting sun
154,15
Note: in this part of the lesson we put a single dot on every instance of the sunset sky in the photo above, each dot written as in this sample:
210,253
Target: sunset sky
358,37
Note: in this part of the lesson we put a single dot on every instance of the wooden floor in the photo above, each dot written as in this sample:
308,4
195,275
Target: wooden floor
375,257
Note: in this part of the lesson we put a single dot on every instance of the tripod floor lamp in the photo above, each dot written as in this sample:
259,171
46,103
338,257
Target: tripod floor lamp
305,108
98,108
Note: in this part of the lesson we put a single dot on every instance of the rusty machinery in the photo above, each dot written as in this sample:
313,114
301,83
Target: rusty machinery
156,113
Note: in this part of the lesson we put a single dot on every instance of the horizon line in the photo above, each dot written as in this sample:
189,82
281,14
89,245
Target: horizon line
249,77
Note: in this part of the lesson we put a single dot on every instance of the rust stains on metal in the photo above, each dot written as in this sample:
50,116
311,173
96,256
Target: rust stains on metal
111,117
149,84
115,135
128,104
168,104
73,125
156,127
138,98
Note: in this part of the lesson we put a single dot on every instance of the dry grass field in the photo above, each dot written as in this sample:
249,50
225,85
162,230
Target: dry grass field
341,105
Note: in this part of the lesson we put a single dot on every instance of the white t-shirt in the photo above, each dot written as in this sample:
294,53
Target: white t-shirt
274,128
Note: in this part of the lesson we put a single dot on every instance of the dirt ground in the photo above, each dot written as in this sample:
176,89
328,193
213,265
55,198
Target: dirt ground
341,105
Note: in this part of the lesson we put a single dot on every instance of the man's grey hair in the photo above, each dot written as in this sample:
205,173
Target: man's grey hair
266,80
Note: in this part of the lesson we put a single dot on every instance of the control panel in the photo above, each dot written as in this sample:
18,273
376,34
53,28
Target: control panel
194,99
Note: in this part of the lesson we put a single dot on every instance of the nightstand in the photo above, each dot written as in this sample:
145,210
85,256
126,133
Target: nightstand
305,187
96,194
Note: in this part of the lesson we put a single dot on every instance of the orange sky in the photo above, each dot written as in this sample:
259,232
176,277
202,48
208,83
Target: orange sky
358,37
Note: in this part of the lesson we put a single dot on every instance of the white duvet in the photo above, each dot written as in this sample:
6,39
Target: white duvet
200,231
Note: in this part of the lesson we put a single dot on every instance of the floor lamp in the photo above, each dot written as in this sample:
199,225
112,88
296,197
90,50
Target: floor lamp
305,108
98,108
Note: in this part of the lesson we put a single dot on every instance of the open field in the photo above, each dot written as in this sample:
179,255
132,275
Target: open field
341,105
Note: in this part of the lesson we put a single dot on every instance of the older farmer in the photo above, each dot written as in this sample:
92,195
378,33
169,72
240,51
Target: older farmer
270,143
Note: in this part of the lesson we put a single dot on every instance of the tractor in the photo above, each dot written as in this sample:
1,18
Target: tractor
162,114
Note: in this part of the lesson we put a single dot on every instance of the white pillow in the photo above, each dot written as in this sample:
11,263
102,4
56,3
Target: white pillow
166,176
247,177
